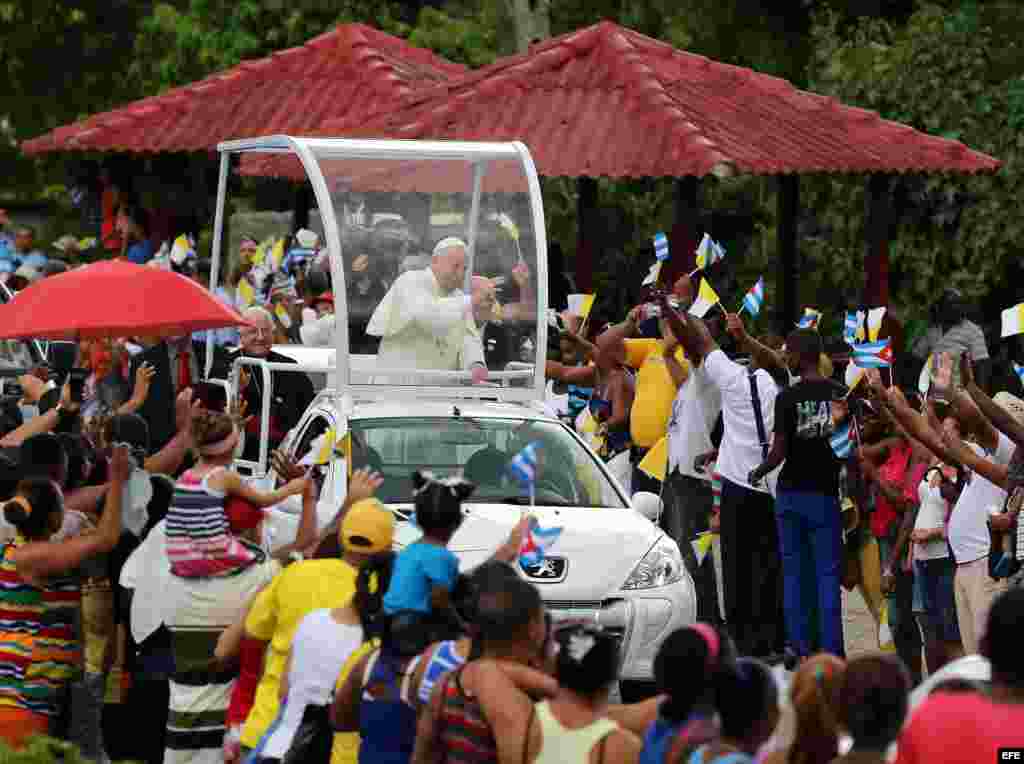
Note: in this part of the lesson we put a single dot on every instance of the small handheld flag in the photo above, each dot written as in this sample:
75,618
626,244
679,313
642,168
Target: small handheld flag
536,541
873,355
810,319
580,304
702,545
1013,320
841,442
861,334
653,274
706,300
853,377
1019,371
875,316
655,462
850,326
523,467
754,299
709,252
661,247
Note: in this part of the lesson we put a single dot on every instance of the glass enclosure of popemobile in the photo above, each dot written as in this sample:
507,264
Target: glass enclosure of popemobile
427,262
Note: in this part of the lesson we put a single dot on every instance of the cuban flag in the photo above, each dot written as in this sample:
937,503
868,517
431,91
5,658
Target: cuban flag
850,328
536,541
754,298
661,247
810,319
873,355
1019,371
841,442
523,467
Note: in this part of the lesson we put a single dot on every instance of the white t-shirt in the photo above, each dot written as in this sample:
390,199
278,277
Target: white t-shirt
320,648
931,514
968,525
694,411
740,450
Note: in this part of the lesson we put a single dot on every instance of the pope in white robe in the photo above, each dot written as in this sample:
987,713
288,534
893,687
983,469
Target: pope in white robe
426,321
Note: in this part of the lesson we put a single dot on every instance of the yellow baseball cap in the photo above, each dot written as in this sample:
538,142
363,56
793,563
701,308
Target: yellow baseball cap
368,526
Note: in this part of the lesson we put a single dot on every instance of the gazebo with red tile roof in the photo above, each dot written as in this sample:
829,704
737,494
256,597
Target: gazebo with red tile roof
350,72
606,101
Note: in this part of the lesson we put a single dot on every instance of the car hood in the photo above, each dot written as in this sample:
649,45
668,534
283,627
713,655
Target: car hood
601,546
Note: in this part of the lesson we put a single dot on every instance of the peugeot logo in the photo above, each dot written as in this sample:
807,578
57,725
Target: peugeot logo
550,570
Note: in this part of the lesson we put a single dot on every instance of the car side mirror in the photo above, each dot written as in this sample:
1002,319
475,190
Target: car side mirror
647,504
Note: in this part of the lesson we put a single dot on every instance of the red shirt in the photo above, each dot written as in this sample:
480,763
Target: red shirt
960,728
892,472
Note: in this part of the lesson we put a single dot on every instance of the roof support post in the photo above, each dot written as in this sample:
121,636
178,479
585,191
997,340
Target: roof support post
300,210
787,212
877,220
683,236
586,216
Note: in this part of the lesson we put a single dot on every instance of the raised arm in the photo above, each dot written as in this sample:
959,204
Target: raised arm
692,334
232,484
39,559
766,358
169,459
573,375
996,414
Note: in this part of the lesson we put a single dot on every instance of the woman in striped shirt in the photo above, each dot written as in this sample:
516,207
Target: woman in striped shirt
39,651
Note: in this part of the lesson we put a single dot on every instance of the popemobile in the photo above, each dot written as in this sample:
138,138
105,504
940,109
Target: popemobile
434,359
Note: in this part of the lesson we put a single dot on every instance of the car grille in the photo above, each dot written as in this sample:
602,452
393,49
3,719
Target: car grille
573,604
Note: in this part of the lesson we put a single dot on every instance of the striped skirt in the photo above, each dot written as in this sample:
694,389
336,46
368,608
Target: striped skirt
200,690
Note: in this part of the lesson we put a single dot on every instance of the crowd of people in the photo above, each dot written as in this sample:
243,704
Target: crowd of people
142,591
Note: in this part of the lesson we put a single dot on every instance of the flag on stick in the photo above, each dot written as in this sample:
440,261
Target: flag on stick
841,442
810,319
523,467
706,300
536,541
709,252
850,326
653,274
754,299
661,247
702,545
873,355
580,305
875,316
1019,371
1013,320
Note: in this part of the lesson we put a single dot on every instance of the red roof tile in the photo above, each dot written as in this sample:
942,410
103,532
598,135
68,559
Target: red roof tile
608,101
352,71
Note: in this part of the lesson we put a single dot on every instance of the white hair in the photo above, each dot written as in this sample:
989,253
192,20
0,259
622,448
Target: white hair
256,311
449,242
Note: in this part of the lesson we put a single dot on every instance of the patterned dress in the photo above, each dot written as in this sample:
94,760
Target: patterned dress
39,648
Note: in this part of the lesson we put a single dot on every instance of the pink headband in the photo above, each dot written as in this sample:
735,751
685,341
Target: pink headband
221,447
711,637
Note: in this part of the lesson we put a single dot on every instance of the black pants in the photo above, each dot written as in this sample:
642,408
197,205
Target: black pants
135,730
751,570
641,481
687,508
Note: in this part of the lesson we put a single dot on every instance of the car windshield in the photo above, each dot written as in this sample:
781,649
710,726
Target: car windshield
481,450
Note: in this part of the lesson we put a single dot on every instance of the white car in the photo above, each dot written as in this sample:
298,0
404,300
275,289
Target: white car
611,564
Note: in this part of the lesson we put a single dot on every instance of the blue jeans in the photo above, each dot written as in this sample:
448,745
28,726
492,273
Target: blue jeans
811,539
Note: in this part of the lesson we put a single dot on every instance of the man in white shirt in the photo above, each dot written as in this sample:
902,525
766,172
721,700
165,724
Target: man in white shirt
426,321
751,565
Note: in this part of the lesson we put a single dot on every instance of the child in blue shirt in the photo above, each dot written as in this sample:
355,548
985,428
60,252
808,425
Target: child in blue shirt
419,595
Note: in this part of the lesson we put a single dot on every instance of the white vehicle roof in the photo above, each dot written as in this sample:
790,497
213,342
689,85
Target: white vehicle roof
474,180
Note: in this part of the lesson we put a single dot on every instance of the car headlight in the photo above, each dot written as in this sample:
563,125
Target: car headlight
661,566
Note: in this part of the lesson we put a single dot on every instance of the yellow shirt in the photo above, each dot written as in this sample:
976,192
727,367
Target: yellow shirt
295,592
655,390
346,744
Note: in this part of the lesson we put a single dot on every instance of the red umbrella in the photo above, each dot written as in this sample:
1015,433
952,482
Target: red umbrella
114,298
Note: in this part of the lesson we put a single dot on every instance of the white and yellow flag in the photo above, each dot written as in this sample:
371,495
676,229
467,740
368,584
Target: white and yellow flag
706,300
580,304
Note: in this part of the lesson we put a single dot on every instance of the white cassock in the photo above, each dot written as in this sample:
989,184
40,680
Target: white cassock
422,328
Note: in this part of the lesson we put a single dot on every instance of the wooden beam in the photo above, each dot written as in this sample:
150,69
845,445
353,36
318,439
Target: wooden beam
686,202
877,218
788,209
586,247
